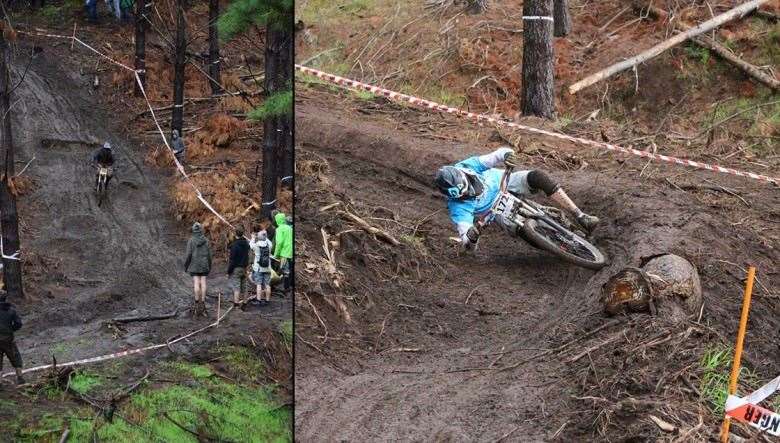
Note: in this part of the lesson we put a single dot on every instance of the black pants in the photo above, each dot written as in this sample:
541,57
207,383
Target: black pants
9,349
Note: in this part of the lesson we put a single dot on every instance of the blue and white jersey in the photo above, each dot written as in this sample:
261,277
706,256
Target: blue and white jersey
464,211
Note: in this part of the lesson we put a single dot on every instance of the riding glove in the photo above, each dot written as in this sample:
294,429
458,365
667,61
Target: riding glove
510,159
472,234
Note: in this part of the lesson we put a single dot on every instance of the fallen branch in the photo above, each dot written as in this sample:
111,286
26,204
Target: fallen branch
595,347
370,229
738,12
145,318
725,53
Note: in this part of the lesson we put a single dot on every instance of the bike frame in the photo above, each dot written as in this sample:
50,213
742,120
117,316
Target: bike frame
522,209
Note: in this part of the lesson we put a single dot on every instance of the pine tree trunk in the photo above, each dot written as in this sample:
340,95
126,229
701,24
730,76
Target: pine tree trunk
214,62
537,92
287,153
177,119
12,269
271,126
142,9
562,18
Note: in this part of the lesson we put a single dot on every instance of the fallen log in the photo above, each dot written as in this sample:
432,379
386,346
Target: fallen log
738,12
725,53
144,318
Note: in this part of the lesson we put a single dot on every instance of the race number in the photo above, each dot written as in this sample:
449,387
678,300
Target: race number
505,206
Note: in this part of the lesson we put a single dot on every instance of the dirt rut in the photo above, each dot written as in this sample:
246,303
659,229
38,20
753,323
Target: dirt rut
418,362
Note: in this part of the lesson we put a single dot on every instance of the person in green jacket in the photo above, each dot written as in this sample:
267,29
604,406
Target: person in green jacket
197,263
283,247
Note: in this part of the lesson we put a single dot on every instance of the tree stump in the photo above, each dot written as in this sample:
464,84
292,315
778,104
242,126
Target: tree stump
667,285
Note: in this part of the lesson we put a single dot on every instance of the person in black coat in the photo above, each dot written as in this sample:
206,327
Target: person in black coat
239,260
10,322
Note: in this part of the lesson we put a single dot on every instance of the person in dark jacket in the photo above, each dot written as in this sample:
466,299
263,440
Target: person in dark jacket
10,323
239,260
104,157
198,264
177,144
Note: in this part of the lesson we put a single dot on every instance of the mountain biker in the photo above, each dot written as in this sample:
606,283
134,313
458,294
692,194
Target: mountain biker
473,185
10,323
103,157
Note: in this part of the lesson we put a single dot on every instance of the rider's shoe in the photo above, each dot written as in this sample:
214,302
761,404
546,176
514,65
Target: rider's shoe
588,222
20,380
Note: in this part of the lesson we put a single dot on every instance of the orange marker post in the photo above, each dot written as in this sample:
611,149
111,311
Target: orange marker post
724,430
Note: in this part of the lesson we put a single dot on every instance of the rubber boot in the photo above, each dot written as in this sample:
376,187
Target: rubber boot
20,380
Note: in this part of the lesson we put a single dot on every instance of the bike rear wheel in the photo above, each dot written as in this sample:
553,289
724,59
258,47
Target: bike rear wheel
571,247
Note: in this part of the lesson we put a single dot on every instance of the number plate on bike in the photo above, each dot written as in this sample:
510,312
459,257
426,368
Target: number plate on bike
505,205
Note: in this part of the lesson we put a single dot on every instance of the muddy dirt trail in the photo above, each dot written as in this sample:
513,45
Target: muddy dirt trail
87,264
419,362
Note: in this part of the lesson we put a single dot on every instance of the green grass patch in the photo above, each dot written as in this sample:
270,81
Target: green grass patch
716,364
216,409
286,329
83,382
242,362
189,370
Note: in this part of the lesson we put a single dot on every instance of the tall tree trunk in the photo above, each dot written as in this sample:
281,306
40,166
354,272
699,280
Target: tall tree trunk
12,269
142,9
537,93
285,67
271,126
177,119
562,18
214,62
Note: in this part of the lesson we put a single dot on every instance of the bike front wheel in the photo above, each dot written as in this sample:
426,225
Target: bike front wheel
569,246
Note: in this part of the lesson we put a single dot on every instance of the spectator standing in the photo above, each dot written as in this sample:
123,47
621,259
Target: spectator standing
10,323
284,248
237,264
261,267
198,264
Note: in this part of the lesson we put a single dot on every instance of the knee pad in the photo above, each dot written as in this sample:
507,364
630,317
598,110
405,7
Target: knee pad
540,180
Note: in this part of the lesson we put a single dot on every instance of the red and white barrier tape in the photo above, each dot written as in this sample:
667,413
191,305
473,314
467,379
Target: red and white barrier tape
427,104
746,409
122,353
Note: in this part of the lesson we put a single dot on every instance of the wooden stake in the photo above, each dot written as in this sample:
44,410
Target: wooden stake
73,40
709,25
219,305
724,431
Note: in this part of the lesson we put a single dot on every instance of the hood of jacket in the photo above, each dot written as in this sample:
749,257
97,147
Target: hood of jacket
197,234
280,218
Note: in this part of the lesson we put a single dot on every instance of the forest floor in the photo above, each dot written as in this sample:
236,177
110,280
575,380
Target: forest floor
510,343
85,265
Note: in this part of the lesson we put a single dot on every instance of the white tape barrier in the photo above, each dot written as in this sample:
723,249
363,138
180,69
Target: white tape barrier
746,409
122,353
480,118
